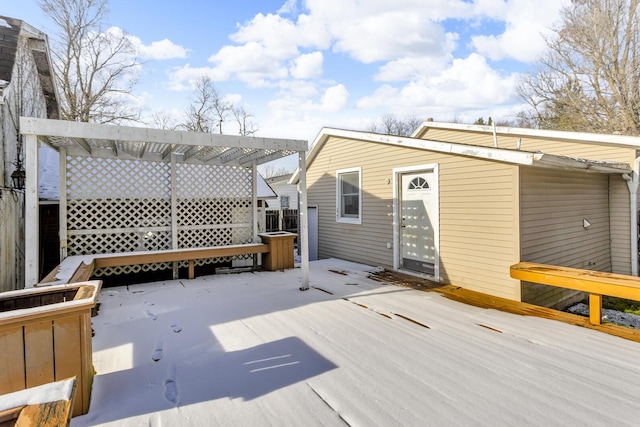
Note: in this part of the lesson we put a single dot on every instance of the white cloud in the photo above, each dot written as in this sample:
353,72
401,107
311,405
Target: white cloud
526,25
163,49
307,66
391,36
266,44
184,78
469,83
334,99
157,50
252,63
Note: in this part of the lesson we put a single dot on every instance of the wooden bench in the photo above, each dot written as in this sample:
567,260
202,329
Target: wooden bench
80,268
596,283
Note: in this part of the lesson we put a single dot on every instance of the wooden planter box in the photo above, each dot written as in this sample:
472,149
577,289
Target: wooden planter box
280,255
45,336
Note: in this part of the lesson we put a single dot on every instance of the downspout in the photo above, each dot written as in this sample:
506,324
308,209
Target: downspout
632,182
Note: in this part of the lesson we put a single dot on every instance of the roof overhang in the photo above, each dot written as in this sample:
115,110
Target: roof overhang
516,157
556,135
126,142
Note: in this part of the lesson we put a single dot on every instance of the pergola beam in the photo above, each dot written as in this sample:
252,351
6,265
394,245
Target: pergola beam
68,129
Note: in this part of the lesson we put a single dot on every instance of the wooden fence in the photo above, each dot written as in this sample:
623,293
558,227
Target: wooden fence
282,220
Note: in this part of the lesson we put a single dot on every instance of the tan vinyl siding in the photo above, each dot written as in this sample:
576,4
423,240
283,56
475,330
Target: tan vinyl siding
620,216
548,146
478,212
553,206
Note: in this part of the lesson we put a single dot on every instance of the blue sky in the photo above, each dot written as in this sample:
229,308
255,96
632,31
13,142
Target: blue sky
301,65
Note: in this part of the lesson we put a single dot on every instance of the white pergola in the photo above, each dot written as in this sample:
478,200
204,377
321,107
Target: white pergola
143,146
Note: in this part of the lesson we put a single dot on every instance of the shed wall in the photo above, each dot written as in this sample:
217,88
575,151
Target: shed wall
553,207
620,229
478,212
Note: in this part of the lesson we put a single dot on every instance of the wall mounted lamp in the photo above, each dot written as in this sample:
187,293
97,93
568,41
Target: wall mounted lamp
19,176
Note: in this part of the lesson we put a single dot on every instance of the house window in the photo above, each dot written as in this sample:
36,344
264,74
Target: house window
349,195
418,183
284,202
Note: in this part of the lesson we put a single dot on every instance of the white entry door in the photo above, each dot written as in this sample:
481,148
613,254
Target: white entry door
417,218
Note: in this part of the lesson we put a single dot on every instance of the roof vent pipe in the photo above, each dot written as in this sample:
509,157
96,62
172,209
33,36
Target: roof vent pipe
495,136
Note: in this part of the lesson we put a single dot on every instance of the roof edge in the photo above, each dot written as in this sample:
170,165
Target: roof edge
594,138
519,157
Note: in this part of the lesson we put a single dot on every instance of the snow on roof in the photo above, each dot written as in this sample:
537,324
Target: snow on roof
251,349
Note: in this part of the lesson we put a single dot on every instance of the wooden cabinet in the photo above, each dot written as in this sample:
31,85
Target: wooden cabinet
280,255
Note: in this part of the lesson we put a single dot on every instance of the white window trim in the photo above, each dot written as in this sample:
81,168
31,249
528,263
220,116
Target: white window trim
340,218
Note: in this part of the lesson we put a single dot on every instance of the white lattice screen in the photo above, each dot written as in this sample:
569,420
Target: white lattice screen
116,205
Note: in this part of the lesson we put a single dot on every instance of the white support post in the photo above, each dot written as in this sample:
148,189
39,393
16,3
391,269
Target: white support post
303,238
31,229
62,207
174,211
254,208
254,200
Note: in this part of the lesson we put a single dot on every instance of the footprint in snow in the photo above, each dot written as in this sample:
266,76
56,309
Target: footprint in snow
171,393
149,303
157,351
150,315
176,328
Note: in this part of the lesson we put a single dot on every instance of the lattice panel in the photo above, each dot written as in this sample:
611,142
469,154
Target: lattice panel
195,181
95,178
192,212
109,243
109,271
118,213
116,205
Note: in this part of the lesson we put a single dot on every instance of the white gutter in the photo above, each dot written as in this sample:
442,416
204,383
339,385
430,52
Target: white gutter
632,179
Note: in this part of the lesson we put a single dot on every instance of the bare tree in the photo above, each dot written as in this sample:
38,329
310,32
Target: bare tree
391,125
270,170
95,68
199,115
246,127
589,79
163,119
208,110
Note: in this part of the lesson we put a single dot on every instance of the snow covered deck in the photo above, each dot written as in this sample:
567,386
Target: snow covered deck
251,349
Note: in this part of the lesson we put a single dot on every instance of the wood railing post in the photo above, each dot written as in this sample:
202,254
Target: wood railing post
595,309
192,271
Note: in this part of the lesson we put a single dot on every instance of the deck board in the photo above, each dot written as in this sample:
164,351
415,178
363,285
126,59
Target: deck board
481,300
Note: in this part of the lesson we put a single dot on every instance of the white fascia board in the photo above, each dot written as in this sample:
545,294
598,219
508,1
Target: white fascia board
90,131
570,163
316,145
587,137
